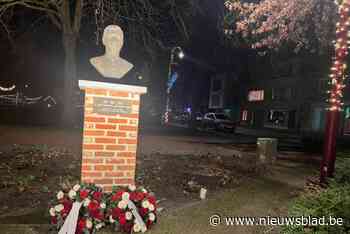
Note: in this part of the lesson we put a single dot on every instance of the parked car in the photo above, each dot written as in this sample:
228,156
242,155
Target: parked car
218,121
198,116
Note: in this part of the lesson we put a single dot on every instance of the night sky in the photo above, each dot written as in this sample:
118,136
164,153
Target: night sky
37,56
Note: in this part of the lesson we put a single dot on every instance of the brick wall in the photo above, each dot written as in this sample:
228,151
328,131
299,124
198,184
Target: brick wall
109,142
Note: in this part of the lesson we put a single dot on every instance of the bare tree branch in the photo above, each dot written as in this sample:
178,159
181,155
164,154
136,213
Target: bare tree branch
56,21
78,15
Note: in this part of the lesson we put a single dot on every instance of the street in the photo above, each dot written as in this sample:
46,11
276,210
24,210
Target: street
286,141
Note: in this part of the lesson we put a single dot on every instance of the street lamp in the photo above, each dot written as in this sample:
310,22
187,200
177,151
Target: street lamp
180,54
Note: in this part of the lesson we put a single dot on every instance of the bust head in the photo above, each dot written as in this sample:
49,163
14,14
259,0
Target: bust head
113,39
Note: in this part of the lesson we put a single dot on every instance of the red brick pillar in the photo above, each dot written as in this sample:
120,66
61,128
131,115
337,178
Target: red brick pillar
110,133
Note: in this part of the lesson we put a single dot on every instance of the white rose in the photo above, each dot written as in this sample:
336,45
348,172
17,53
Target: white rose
137,227
88,224
59,208
132,187
99,226
103,206
86,202
145,204
111,220
151,207
72,194
76,187
60,195
125,196
122,204
128,215
52,212
144,190
152,217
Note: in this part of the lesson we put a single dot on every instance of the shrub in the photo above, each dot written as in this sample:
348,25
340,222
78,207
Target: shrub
342,171
333,201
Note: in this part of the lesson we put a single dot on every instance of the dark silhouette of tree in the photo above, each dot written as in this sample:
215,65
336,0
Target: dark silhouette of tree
145,21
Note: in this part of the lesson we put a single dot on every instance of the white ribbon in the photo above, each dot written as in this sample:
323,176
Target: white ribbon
138,218
70,224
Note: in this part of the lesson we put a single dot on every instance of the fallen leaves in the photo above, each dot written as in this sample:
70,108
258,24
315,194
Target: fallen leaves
31,172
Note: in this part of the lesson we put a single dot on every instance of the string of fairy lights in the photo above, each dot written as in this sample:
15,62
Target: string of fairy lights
7,89
338,69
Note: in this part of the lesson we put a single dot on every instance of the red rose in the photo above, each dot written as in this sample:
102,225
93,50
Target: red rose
53,220
84,194
93,205
116,212
67,204
149,224
81,225
96,214
133,196
117,195
143,211
152,200
114,197
140,196
97,196
64,214
122,219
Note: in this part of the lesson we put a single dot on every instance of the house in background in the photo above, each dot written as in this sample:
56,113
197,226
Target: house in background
224,94
294,103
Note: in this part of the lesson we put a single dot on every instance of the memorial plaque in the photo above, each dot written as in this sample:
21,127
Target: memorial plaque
109,106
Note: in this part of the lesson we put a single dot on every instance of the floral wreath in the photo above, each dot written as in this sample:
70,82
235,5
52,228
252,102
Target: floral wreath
126,208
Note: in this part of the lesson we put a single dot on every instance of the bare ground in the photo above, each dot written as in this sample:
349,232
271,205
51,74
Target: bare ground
175,168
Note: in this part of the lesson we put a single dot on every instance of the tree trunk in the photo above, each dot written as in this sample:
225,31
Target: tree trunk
70,81
330,138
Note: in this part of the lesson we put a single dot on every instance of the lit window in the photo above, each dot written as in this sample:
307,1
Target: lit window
256,95
245,115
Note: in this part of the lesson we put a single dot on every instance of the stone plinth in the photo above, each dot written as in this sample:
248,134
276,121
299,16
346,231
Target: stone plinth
110,133
267,150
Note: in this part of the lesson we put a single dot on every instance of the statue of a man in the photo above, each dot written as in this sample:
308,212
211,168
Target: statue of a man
110,64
